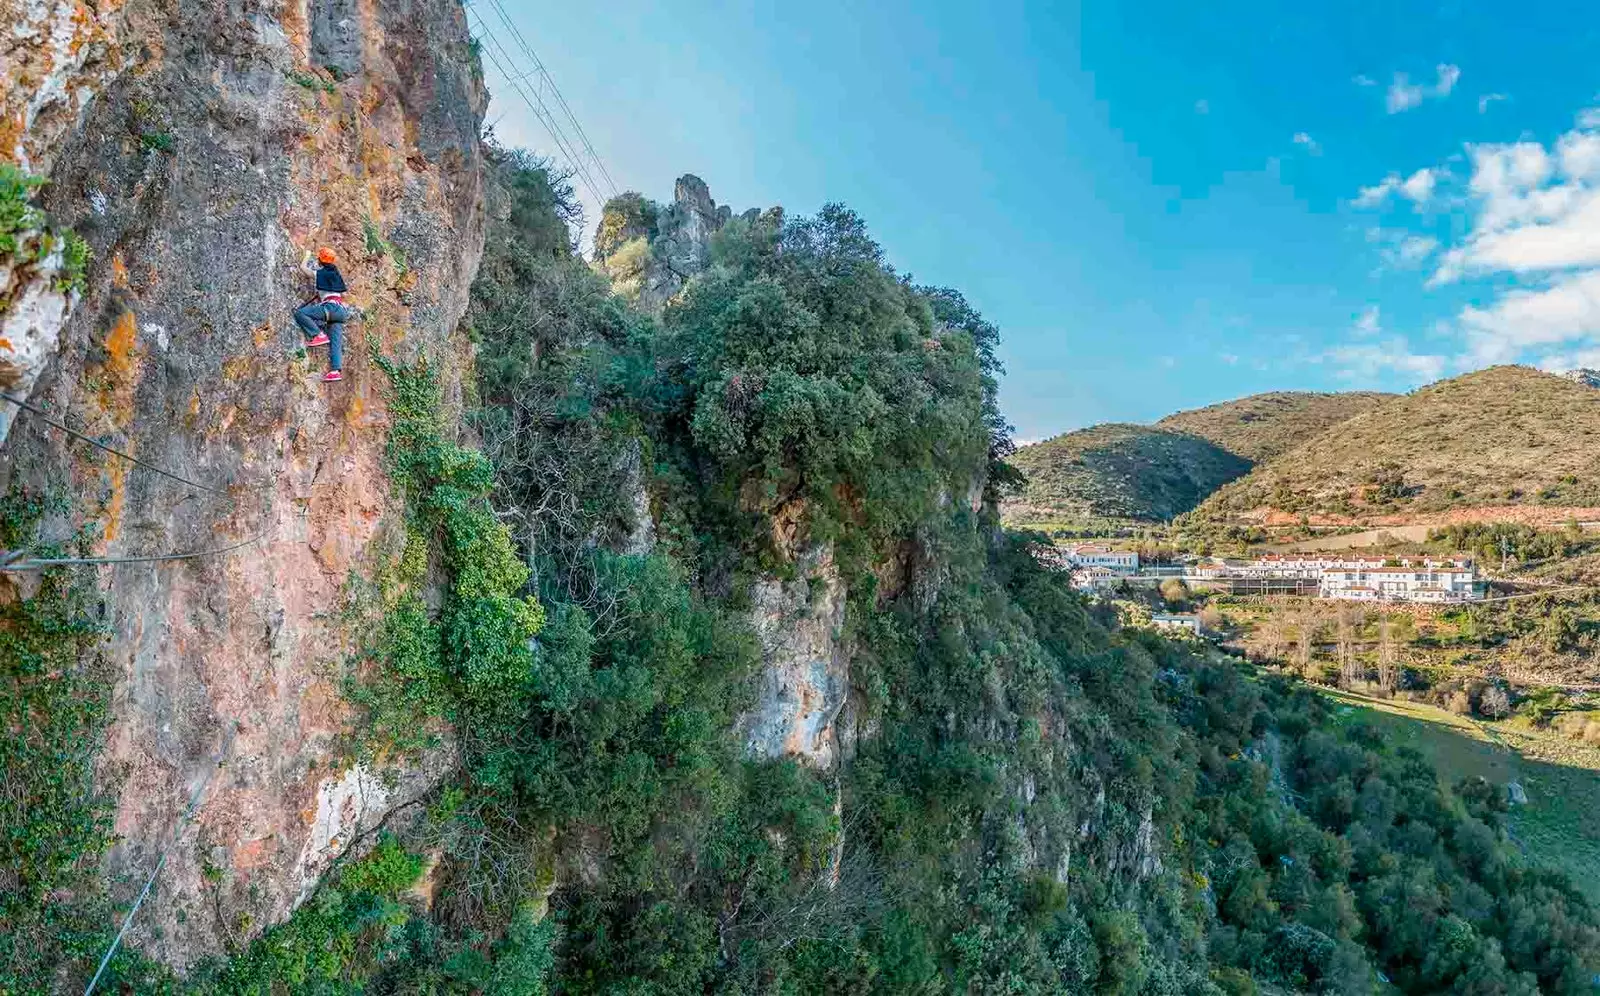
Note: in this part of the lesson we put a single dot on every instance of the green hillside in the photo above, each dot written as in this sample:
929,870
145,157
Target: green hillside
1504,436
1121,471
1261,426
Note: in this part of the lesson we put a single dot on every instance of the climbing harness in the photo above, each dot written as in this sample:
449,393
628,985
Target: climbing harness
18,560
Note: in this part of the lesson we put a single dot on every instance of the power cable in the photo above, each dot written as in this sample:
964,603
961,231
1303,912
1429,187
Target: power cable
540,111
45,417
17,562
549,82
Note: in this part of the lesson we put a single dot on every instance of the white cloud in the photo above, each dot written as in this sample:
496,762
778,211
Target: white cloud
1369,361
1367,323
1578,152
1488,99
1418,188
1311,144
1589,117
1202,106
1536,211
1362,79
1568,311
1403,94
1231,359
1413,249
1448,77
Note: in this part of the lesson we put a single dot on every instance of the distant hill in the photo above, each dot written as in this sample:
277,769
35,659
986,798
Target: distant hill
1121,471
1503,436
1262,426
1155,472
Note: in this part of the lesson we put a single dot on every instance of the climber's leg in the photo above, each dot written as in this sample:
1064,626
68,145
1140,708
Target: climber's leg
310,317
337,316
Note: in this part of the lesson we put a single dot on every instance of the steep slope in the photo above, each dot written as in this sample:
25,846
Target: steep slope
198,148
1120,471
1159,471
1506,438
1261,426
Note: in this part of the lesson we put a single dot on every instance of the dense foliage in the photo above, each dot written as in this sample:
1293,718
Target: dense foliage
1033,801
1120,471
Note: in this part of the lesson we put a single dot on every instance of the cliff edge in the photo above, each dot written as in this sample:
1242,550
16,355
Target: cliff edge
198,149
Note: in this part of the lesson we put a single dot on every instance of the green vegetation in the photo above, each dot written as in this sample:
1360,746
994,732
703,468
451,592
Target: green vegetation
1153,473
55,688
1120,471
1502,436
1032,801
157,141
311,81
1559,824
1262,426
23,231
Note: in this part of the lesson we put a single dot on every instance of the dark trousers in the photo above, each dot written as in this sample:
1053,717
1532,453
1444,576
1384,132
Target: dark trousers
329,317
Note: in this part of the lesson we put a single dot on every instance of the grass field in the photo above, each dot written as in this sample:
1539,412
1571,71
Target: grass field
1560,825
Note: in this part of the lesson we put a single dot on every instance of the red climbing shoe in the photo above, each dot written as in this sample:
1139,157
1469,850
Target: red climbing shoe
320,339
333,375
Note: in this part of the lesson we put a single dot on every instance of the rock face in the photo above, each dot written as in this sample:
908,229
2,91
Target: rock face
650,252
806,679
1584,376
199,148
33,308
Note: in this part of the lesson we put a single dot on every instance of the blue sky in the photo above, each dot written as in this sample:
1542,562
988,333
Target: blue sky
1162,204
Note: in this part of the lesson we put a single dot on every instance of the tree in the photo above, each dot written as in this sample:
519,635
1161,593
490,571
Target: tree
1304,641
1388,669
1174,592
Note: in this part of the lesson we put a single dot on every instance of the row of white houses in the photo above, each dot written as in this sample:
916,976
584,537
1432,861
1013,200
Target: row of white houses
1360,577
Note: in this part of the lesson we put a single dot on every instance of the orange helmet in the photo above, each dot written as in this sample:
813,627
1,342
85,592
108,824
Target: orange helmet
326,255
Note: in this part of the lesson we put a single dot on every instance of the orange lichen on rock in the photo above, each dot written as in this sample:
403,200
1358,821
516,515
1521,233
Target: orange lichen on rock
119,367
117,472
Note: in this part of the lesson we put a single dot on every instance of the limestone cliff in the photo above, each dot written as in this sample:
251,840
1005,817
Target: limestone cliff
199,148
650,252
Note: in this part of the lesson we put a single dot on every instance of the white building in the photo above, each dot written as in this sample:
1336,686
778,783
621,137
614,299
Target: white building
1414,583
1092,579
1182,621
1100,555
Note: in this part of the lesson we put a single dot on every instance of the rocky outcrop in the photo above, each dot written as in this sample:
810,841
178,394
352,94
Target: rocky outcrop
199,148
650,252
35,302
804,683
1584,376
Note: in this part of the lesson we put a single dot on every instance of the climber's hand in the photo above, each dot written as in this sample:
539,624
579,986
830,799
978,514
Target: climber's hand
306,258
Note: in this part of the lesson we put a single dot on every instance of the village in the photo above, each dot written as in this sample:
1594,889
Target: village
1358,577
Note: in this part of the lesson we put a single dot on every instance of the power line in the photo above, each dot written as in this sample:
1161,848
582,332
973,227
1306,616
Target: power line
539,111
544,99
555,91
44,417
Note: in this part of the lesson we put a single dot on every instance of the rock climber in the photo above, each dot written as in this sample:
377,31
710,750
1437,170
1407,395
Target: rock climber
322,318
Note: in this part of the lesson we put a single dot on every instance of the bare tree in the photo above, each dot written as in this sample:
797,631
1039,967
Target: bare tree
1388,666
1304,641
